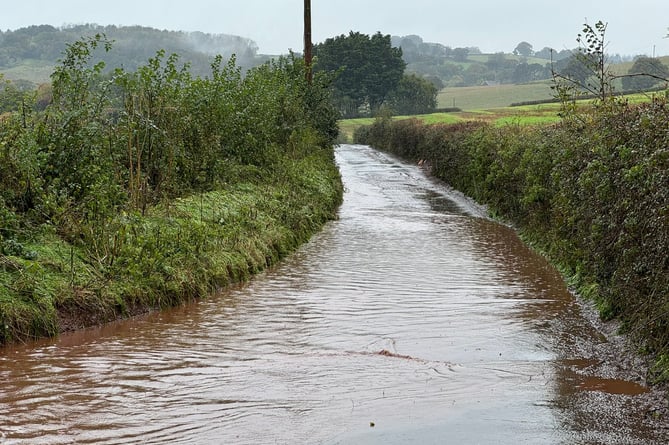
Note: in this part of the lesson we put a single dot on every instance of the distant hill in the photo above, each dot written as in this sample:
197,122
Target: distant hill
31,53
468,66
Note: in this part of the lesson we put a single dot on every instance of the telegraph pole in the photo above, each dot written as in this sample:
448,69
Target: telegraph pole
308,46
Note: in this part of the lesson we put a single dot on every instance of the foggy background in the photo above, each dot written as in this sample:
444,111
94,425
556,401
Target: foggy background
637,27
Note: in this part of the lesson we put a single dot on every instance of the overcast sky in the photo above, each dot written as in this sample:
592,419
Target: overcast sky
635,26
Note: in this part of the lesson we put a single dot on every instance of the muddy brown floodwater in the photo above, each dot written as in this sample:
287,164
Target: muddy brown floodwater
411,319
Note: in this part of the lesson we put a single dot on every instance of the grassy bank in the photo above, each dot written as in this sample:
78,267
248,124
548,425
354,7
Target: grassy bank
591,191
178,250
140,190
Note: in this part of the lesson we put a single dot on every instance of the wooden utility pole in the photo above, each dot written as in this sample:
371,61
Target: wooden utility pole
308,46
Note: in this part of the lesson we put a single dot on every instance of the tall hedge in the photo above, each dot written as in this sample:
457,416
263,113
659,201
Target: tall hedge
591,191
135,190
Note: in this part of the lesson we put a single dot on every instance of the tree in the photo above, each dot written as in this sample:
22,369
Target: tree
410,49
413,95
591,73
496,61
592,51
436,81
13,95
460,54
587,70
449,70
645,73
368,69
523,49
575,70
525,72
476,74
545,53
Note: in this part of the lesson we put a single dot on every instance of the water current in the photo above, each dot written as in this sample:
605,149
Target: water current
411,319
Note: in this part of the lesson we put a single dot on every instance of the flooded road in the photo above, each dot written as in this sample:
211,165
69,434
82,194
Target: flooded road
411,319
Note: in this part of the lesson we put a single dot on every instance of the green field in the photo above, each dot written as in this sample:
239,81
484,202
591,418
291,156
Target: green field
35,71
485,103
489,111
484,97
525,115
348,126
483,58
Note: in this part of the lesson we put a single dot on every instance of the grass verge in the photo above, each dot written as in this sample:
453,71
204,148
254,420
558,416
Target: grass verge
176,251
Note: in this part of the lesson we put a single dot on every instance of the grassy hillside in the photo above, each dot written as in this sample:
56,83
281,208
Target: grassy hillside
35,71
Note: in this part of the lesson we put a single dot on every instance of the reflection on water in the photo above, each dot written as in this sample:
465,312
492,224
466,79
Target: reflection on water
410,313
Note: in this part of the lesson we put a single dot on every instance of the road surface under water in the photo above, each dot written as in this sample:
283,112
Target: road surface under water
411,319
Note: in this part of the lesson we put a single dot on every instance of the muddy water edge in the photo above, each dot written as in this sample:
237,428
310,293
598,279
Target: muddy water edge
411,319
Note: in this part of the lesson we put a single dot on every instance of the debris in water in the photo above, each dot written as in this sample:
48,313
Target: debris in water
387,353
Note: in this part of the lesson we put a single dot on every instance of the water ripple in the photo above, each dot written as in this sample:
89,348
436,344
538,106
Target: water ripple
409,311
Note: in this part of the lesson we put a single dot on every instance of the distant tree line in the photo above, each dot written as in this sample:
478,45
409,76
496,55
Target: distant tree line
467,66
133,45
402,74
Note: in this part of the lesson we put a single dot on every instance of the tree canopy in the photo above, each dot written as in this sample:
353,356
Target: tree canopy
576,68
645,73
413,95
524,49
368,68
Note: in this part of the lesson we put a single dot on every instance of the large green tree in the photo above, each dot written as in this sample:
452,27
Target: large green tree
523,49
368,68
413,95
576,69
645,73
